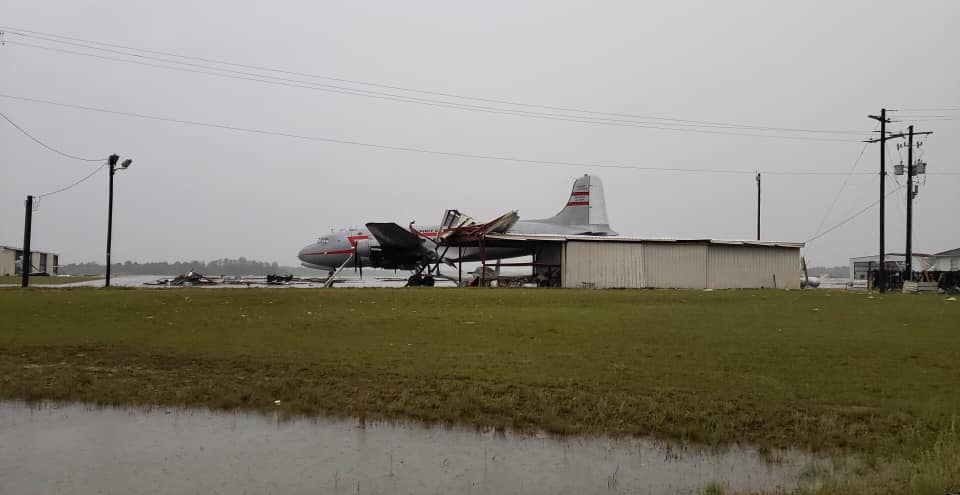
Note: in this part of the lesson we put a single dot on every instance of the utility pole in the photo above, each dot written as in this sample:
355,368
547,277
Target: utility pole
909,249
882,275
758,206
27,263
882,272
911,172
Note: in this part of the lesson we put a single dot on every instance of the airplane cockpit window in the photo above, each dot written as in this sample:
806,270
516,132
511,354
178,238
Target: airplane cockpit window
323,241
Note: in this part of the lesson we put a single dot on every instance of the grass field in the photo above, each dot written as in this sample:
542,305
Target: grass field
873,375
10,279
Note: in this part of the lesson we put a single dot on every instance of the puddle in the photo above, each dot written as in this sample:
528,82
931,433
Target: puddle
80,449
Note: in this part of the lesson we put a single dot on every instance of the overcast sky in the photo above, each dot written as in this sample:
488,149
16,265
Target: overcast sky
204,193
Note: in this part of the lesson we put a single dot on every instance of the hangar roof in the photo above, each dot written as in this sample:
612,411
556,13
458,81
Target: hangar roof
12,248
951,252
621,238
888,257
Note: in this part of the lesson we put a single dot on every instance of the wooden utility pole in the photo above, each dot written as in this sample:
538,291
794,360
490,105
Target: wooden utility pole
910,195
27,263
909,248
881,269
882,275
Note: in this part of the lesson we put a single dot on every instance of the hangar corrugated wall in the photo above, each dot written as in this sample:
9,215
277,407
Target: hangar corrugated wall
683,265
680,266
752,267
603,265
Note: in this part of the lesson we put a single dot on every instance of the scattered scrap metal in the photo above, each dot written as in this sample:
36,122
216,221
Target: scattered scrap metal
193,278
188,279
279,279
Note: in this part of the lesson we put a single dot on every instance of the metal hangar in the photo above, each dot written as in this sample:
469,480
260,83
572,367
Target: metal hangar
607,262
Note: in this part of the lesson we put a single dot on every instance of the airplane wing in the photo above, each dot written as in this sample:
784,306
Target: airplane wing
394,237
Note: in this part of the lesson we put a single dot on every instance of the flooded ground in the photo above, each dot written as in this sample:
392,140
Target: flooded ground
79,449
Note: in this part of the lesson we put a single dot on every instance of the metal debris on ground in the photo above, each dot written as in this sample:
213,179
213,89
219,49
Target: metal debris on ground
187,279
192,278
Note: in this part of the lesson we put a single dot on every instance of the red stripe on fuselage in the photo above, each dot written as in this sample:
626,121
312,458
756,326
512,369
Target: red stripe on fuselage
578,203
339,251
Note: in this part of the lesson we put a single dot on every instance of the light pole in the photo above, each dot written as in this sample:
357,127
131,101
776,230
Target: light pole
112,163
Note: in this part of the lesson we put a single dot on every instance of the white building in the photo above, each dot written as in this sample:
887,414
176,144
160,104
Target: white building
948,261
41,262
861,267
941,268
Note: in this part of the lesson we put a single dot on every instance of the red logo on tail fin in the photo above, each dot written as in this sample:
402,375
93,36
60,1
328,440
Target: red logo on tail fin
579,198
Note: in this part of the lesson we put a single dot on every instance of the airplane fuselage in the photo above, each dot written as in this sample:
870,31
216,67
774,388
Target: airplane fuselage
584,213
334,249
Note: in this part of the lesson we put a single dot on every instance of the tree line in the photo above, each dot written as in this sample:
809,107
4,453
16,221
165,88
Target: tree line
223,266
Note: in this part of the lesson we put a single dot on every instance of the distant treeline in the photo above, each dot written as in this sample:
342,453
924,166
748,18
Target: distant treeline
832,271
240,266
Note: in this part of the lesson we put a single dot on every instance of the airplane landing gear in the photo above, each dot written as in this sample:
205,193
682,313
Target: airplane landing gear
430,266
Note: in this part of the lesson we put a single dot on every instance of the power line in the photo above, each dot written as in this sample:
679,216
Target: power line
406,148
942,109
40,35
925,118
848,219
357,92
45,145
842,187
458,106
73,184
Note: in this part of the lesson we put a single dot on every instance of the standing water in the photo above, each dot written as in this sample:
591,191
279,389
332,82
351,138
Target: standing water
80,449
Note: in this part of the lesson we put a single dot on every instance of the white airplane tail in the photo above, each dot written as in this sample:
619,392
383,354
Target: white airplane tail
586,205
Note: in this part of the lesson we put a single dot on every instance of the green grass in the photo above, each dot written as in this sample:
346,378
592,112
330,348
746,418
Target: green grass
10,279
713,488
872,375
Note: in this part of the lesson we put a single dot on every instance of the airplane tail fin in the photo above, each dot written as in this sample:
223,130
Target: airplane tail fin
585,207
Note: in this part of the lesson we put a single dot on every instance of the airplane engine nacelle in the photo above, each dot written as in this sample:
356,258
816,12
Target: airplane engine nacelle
373,253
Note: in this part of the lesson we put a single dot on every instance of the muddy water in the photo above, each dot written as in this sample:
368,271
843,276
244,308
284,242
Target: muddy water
79,449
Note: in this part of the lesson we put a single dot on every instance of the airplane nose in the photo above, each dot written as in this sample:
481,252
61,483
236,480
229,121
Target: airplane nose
303,252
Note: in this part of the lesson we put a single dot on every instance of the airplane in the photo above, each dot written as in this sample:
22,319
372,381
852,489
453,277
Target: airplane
388,245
